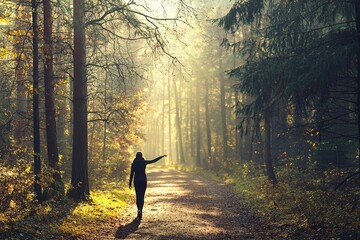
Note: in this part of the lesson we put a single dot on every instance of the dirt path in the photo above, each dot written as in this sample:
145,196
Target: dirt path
179,205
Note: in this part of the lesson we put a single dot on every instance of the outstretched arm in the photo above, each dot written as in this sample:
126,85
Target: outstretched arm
155,160
131,175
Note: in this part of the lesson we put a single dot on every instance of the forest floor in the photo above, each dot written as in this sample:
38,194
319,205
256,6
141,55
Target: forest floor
184,205
179,205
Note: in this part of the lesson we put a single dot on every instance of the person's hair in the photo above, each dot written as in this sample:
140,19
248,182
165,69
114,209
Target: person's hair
139,155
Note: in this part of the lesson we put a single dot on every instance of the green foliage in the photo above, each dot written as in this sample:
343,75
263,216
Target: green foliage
301,49
298,60
242,12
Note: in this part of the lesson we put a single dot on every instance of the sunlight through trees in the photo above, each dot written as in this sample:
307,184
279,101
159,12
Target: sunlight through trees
264,94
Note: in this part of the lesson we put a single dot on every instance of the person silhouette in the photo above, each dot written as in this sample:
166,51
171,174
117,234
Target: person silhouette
140,181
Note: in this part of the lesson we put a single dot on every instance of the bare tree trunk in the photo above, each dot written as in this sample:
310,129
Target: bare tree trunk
169,109
207,120
187,125
36,117
104,142
198,127
223,116
237,139
105,117
52,147
79,175
62,102
192,131
163,119
20,73
267,150
237,123
178,124
357,13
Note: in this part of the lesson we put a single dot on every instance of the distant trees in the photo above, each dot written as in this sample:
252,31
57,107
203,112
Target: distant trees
178,125
204,109
20,40
36,115
290,94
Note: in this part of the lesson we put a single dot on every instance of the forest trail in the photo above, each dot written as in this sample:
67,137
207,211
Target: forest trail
180,205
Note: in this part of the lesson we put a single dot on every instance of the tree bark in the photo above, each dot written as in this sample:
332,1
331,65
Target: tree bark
207,119
223,116
192,128
20,76
237,132
169,115
198,127
51,135
105,117
178,125
163,118
79,175
36,117
357,14
187,125
267,152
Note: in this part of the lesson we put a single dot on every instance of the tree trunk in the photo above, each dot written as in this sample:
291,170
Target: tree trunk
192,128
357,12
169,109
187,126
163,119
267,150
36,117
207,119
223,116
52,147
20,77
62,103
178,125
79,175
237,132
104,142
105,117
198,127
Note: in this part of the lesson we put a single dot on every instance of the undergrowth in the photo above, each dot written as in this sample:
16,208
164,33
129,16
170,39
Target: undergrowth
303,205
65,219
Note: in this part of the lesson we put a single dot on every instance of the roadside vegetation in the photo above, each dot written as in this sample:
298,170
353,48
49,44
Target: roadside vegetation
307,204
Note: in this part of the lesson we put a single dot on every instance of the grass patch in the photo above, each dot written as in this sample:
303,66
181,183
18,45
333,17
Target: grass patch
66,219
301,208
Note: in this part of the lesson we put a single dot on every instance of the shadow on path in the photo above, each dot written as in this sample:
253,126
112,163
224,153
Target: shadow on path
181,206
124,230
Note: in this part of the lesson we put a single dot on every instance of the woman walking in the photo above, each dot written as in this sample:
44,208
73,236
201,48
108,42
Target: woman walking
138,168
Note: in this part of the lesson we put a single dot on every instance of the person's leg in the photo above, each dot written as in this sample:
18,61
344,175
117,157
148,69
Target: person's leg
141,198
138,197
140,188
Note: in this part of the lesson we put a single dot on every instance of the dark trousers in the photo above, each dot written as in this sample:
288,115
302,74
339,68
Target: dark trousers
140,189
